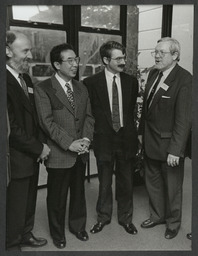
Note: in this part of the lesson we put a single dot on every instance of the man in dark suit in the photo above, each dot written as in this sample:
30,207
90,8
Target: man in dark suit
166,122
113,96
24,145
64,112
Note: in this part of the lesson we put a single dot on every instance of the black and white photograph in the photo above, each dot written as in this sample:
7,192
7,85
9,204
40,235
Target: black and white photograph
98,128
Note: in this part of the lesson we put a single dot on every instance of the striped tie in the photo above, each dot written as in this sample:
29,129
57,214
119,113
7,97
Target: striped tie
23,85
70,95
115,107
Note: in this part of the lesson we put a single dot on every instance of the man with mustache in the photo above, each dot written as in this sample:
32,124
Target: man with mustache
64,112
25,146
113,96
165,125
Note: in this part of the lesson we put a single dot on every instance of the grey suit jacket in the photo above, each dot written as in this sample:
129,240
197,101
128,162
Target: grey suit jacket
60,123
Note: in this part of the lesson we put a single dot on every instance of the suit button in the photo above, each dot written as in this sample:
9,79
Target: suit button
78,131
76,119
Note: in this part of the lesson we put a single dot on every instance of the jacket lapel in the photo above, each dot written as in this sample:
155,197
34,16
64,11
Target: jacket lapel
61,95
125,96
18,91
102,91
169,81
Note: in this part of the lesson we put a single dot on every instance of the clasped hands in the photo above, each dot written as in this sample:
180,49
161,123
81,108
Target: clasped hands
80,146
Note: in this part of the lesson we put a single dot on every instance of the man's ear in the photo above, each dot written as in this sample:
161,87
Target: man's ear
106,60
9,53
57,65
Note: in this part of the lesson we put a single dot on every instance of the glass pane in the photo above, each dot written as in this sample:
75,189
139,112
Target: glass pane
149,31
89,45
42,42
182,30
39,13
101,16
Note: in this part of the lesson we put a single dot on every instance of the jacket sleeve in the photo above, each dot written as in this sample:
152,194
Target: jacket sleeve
88,127
183,120
19,139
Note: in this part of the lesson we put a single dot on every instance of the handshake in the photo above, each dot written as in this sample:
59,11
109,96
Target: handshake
80,146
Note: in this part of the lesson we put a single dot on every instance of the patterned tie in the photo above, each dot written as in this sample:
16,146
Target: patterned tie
115,107
23,85
70,95
151,95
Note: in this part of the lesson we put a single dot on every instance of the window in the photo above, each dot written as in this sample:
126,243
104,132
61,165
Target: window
38,13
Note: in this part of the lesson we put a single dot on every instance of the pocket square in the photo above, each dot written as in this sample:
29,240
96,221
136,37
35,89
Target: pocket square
166,97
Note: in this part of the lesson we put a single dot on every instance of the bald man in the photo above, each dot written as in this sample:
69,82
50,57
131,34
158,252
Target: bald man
26,150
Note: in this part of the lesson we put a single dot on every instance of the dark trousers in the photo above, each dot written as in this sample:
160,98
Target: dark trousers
164,186
124,184
21,204
58,183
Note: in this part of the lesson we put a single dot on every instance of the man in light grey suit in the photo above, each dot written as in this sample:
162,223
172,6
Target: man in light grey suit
65,116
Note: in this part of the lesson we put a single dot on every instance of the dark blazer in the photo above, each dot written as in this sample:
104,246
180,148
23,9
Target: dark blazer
103,132
60,123
23,141
167,122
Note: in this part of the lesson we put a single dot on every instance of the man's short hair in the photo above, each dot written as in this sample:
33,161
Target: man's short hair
55,54
106,49
174,45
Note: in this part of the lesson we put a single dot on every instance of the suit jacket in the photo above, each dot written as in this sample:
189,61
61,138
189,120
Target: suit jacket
24,144
60,123
103,133
166,124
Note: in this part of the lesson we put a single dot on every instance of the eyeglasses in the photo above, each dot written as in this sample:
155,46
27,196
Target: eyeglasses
160,53
119,59
71,61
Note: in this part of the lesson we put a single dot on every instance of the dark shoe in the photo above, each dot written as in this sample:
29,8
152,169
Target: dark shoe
98,227
14,248
82,235
33,242
60,244
130,228
150,224
189,236
170,233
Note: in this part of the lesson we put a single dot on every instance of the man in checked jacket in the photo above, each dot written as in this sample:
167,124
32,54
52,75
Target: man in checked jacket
65,116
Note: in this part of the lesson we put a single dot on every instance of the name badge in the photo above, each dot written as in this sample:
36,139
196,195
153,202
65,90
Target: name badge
164,86
30,90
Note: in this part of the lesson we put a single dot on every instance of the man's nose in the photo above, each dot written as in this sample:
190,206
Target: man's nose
29,55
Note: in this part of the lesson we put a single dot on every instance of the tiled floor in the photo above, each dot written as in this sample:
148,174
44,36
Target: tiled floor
113,237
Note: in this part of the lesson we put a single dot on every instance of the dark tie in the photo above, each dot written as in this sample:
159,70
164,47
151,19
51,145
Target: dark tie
23,85
151,95
70,95
115,106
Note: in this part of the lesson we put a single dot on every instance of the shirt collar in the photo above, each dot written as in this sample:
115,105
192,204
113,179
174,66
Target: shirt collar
167,72
110,75
12,71
62,81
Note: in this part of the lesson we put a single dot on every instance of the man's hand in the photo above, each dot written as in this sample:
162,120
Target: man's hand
44,155
172,160
80,146
86,144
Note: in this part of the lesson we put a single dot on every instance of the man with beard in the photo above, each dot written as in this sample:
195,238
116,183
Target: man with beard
64,112
165,125
113,96
26,150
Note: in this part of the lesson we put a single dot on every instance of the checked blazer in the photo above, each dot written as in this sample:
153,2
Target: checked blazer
60,123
